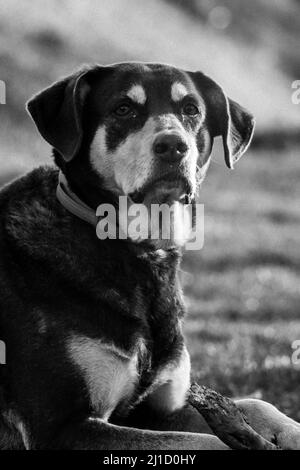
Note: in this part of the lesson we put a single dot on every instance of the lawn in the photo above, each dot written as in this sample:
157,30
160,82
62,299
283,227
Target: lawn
242,288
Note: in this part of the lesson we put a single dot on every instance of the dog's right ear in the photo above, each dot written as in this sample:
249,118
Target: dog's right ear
57,110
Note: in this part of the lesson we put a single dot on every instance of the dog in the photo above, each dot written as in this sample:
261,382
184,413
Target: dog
95,354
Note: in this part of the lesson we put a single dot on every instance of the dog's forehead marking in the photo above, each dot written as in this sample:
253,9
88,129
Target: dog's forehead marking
137,93
178,91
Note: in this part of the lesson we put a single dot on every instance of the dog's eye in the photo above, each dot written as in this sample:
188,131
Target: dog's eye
190,109
123,110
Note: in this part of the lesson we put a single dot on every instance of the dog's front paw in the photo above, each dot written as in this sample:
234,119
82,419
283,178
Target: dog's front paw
289,437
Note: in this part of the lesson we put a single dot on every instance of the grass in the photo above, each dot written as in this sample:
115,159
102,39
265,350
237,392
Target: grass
242,288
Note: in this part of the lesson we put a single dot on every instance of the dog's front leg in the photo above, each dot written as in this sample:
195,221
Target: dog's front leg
270,423
166,407
185,419
95,434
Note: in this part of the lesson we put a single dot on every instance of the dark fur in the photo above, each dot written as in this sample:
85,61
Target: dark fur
57,278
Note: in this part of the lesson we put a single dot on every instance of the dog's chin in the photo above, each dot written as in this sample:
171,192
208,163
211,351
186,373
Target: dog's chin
164,192
174,193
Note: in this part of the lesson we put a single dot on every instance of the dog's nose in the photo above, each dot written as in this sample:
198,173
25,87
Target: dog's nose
170,147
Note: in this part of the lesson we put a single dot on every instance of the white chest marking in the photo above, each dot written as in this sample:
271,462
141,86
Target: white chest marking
178,91
137,94
172,385
109,373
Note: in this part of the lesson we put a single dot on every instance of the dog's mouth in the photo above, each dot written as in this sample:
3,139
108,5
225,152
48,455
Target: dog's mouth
167,189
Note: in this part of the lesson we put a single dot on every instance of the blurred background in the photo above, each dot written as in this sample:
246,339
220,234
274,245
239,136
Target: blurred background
243,287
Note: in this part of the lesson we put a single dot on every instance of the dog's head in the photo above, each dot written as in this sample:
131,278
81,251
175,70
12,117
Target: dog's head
143,130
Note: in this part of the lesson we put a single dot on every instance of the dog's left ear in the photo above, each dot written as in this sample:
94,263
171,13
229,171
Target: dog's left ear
226,118
56,112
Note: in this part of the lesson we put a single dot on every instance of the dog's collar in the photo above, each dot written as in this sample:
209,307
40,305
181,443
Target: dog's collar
72,203
77,207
